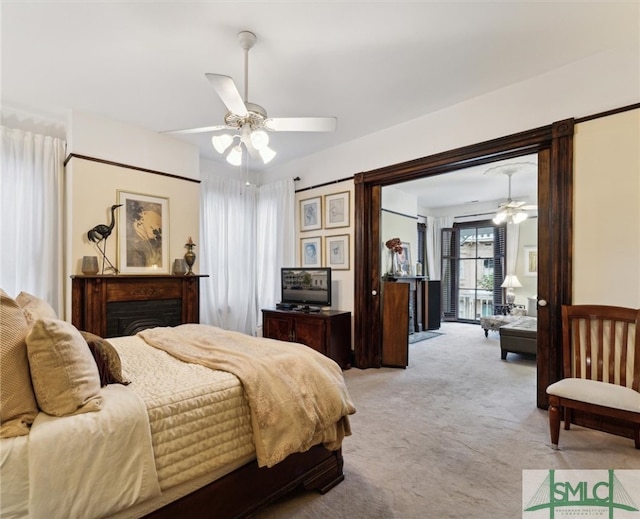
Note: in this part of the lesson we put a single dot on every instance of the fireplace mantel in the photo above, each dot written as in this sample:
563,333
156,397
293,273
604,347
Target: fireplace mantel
91,298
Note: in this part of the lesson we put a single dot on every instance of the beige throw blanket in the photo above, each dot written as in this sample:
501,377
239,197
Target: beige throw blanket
297,396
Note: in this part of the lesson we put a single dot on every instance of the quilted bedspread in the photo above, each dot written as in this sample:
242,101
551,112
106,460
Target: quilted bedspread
297,396
199,418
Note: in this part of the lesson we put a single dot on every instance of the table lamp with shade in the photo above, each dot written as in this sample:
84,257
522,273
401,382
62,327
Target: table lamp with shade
510,282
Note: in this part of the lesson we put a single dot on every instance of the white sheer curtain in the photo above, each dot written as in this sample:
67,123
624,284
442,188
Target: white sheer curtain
513,238
246,233
276,238
435,224
31,195
227,254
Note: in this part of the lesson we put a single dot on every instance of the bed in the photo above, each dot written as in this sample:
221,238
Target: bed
166,432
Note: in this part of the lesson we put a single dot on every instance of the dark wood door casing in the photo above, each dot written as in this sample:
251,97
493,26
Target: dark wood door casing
554,146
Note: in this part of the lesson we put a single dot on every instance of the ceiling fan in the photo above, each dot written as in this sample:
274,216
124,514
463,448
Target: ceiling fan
511,211
249,120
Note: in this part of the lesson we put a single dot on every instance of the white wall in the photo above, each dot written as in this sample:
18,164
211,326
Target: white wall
606,267
105,139
528,237
603,82
399,219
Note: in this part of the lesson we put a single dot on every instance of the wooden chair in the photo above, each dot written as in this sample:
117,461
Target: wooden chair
601,367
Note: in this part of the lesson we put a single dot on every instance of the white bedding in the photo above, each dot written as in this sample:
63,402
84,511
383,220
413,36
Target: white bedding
81,466
14,477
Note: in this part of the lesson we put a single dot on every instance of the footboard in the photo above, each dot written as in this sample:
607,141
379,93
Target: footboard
251,488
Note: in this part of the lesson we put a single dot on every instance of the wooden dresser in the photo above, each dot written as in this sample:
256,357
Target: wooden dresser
328,332
112,306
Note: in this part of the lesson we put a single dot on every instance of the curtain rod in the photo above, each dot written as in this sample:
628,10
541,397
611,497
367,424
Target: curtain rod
479,214
321,185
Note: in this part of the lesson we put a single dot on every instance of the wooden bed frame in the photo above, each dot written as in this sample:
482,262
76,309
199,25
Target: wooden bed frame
251,488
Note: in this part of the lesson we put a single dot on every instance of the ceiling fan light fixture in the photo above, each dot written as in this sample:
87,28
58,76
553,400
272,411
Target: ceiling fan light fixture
249,120
221,142
519,217
235,155
259,139
500,217
266,154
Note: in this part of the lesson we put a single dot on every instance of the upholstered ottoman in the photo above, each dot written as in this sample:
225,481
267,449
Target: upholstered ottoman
494,322
519,336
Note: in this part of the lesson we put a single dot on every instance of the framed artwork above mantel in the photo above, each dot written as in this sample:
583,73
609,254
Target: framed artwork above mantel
143,234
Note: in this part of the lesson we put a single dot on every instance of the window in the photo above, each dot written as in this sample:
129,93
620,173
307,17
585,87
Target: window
473,256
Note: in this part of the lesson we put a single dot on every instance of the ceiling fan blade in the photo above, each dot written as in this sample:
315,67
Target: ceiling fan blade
529,207
199,130
301,124
228,92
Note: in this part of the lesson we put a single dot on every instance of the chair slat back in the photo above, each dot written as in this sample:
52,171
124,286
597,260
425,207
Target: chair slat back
602,343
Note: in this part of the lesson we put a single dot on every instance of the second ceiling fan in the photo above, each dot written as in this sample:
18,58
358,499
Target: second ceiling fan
249,120
511,211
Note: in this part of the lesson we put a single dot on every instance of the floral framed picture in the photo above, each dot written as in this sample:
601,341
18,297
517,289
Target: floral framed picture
311,252
143,234
311,214
337,251
336,210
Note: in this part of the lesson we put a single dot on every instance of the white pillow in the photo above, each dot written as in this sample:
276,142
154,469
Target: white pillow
64,374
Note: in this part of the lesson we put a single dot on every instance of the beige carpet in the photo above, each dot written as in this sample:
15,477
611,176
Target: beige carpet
449,437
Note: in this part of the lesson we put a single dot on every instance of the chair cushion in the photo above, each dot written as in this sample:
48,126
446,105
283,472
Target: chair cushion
596,392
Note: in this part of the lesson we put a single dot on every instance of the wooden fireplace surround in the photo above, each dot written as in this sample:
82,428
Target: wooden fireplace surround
90,296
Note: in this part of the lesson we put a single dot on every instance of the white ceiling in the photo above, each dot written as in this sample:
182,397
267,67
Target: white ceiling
373,65
474,186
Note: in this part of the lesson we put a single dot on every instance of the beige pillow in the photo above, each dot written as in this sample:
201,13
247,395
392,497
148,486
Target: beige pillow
18,406
35,308
64,375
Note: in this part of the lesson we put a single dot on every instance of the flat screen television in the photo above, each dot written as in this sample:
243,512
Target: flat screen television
306,289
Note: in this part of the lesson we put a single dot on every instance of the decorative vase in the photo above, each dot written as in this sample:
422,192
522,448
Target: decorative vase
179,267
189,256
89,265
395,266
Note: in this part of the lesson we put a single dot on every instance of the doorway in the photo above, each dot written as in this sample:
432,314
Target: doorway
553,145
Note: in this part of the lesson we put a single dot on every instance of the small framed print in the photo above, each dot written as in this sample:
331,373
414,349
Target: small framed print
143,234
311,252
530,261
336,210
337,251
311,214
404,258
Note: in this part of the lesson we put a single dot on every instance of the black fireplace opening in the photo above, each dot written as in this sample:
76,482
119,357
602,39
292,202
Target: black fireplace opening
131,317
